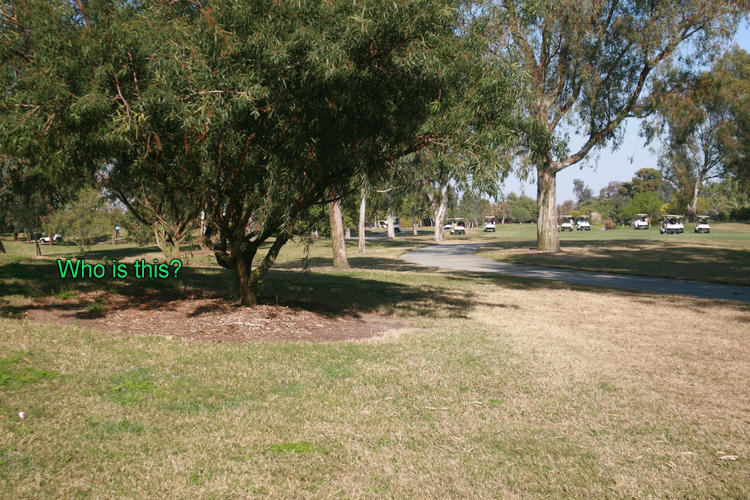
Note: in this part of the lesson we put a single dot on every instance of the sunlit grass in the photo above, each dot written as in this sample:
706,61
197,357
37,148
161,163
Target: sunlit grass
723,256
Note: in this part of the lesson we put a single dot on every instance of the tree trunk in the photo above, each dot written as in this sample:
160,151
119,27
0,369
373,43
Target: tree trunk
414,220
2,248
338,243
50,232
361,235
439,208
547,237
168,243
248,292
693,207
389,217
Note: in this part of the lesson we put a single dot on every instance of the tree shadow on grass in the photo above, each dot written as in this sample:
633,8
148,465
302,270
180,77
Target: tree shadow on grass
337,292
327,293
356,262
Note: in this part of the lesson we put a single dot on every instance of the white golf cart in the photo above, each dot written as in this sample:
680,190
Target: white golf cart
45,239
640,221
671,224
489,223
396,224
567,223
583,224
456,225
702,225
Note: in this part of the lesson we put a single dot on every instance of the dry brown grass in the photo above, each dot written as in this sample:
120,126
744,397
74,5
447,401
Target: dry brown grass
658,388
500,388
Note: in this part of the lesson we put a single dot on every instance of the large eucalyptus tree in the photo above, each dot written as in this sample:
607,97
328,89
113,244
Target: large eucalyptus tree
589,66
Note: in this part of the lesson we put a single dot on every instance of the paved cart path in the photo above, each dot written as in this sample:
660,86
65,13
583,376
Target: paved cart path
461,258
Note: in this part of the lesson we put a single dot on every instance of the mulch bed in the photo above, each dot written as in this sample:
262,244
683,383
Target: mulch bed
208,319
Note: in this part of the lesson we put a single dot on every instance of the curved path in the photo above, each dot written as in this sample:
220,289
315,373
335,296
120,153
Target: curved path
461,258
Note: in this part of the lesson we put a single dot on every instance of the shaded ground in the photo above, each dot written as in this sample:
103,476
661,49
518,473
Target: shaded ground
212,319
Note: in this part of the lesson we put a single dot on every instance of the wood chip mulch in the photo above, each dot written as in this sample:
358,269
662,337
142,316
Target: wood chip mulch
209,319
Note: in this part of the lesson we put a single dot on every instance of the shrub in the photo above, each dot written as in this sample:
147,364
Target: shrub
609,224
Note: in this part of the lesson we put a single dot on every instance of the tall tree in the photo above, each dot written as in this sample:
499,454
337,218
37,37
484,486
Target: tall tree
645,180
733,75
582,191
693,120
589,64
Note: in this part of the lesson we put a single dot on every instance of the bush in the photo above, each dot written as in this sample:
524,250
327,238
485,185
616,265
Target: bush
83,220
740,214
609,224
140,232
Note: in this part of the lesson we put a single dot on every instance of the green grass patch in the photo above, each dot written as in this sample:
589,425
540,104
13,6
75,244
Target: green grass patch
18,370
133,387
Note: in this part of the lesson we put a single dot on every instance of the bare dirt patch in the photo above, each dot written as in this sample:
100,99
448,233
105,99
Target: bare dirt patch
210,319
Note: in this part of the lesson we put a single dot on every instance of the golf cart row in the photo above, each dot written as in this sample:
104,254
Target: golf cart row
672,224
581,223
457,225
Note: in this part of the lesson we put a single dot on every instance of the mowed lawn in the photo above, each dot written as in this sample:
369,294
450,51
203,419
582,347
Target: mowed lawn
722,256
497,388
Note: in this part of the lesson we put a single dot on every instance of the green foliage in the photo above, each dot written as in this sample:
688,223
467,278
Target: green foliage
732,72
251,111
142,234
522,208
645,180
473,207
740,214
84,219
700,119
582,191
645,202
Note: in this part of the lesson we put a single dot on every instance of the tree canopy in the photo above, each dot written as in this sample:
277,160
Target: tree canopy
251,111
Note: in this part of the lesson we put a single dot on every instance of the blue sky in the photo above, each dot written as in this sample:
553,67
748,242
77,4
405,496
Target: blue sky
605,165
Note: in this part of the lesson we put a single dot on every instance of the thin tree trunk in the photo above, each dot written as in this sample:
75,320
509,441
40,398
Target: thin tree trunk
693,208
362,213
414,220
547,237
389,216
439,208
338,243
2,248
50,232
